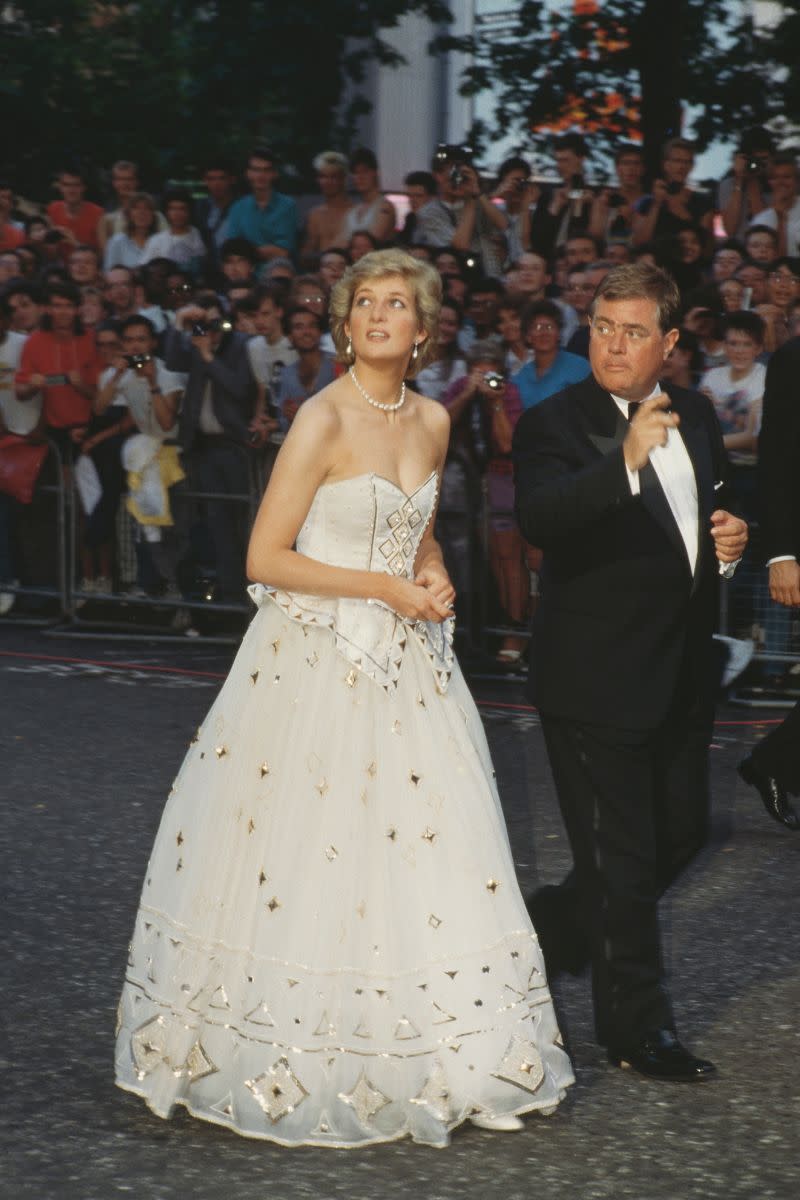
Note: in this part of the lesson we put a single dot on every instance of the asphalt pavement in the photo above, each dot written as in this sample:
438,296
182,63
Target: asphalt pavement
92,734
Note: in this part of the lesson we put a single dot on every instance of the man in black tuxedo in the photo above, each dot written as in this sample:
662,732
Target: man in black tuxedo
617,483
774,765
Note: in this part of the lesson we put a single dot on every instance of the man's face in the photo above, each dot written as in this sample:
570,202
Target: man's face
783,181
268,319
219,184
10,267
365,179
754,278
83,267
177,292
783,286
330,181
304,333
312,298
448,325
630,170
678,166
627,348
119,289
542,335
731,293
62,314
741,350
108,346
568,163
25,313
124,182
618,253
417,196
579,292
214,313
532,277
177,214
137,340
761,247
580,250
447,264
71,188
483,309
726,264
332,267
690,248
261,175
237,268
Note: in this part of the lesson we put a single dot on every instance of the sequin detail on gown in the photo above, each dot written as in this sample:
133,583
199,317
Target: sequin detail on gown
331,947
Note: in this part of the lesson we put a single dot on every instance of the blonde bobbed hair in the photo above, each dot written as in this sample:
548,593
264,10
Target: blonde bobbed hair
426,288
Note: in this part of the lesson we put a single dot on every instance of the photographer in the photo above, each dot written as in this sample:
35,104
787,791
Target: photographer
564,210
462,215
217,424
613,207
139,382
745,189
673,206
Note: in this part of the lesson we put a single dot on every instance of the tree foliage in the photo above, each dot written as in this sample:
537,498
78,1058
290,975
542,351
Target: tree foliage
168,82
621,69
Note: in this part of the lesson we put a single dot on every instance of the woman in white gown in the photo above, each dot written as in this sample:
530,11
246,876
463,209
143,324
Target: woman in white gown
331,947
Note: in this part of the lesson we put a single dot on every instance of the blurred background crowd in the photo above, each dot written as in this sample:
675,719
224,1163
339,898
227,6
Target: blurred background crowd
155,346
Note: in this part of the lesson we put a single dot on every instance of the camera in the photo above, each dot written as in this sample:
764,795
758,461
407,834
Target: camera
215,325
674,189
137,361
458,156
616,200
494,380
753,166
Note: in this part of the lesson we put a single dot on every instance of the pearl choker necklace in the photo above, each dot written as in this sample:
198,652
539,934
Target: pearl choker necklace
376,403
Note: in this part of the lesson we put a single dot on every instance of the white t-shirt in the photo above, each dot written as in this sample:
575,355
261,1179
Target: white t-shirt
733,400
185,249
19,416
268,360
133,392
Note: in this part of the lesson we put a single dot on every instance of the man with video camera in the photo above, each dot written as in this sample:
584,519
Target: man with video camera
463,216
217,425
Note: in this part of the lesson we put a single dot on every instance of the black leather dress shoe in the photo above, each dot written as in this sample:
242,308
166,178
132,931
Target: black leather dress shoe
660,1055
774,797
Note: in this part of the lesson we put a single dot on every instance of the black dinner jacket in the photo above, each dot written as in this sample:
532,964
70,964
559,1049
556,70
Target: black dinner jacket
620,615
779,454
233,388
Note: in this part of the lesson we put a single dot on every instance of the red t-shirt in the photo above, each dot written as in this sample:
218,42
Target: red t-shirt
83,225
10,237
51,356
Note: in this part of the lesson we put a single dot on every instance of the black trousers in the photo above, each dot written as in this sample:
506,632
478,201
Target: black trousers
779,753
635,805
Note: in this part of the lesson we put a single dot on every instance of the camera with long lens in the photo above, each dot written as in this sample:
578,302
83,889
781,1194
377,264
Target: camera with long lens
494,380
215,325
138,361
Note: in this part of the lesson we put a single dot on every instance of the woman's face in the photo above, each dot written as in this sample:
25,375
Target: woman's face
509,326
141,215
383,323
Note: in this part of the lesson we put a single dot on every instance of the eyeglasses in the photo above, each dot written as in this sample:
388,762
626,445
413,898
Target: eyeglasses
632,333
543,327
784,277
312,299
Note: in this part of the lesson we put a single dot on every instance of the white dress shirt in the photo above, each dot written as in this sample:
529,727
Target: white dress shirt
675,472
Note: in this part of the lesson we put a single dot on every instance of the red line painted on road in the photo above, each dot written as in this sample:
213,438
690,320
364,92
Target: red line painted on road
117,666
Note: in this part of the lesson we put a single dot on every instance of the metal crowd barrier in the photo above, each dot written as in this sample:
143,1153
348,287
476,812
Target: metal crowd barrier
464,530
29,524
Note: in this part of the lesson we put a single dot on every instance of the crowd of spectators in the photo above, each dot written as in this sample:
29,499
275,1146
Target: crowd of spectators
164,343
